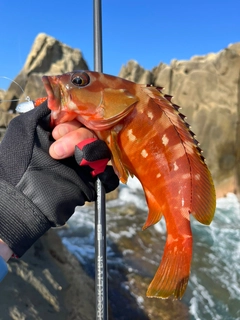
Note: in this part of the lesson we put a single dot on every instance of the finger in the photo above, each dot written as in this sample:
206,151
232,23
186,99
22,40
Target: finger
64,147
64,128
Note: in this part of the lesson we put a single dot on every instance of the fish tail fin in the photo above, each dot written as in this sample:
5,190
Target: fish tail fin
171,278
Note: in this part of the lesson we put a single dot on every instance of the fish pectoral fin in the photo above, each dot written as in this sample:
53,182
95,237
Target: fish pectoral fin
154,213
118,166
117,103
171,278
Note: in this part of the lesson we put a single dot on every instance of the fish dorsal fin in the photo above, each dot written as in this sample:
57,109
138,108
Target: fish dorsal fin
203,199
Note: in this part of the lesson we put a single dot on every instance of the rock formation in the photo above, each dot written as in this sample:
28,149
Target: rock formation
208,90
5,117
47,56
2,93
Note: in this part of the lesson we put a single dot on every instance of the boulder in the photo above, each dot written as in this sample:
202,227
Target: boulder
47,283
134,72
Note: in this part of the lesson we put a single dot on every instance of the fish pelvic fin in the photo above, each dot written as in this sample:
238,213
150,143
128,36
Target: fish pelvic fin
171,278
119,168
154,214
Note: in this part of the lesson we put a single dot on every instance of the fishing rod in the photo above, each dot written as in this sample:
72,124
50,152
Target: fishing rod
101,281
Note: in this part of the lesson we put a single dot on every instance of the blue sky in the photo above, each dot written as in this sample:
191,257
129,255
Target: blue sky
148,31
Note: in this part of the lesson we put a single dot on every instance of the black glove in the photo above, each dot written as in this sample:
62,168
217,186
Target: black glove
38,192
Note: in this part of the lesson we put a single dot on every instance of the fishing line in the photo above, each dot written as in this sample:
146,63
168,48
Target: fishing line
24,106
27,97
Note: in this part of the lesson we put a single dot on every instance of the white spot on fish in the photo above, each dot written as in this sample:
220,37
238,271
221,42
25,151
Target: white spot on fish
165,140
72,105
170,239
158,175
118,128
150,115
183,202
144,153
185,214
175,166
179,150
131,136
186,176
197,176
191,150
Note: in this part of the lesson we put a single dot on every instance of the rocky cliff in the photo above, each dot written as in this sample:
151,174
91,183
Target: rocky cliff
208,90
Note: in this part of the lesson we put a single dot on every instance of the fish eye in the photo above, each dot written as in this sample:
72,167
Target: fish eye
80,79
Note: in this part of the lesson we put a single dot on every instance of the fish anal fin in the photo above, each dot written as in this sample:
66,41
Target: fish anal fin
154,213
171,278
117,102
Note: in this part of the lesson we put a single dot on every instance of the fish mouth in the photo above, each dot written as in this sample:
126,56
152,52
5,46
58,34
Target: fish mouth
52,87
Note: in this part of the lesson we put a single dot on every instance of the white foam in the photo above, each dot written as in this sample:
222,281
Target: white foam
131,195
134,183
124,233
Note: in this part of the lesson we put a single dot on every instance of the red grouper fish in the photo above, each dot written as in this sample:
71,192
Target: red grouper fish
149,139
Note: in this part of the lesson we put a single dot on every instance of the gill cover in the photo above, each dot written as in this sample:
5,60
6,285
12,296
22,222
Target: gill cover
115,105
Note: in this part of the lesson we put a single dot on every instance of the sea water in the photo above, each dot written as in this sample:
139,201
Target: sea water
214,287
215,277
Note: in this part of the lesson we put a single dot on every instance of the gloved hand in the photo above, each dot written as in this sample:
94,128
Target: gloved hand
37,191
